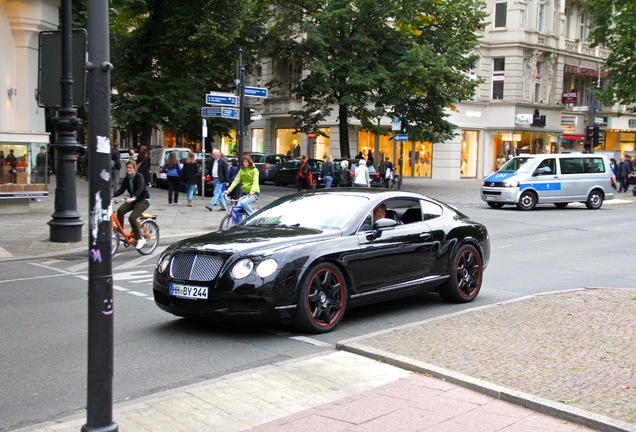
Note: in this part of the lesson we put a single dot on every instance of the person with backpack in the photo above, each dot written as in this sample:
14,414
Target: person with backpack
304,180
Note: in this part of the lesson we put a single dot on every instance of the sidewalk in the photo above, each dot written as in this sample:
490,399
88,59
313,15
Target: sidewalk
555,362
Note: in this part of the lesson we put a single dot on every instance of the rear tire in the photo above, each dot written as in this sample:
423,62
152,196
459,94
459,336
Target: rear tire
322,301
152,240
465,278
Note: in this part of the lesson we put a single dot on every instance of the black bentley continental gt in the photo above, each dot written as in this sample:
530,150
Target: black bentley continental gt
307,257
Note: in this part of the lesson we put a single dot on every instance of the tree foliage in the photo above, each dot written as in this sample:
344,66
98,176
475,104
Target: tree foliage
168,54
613,23
413,56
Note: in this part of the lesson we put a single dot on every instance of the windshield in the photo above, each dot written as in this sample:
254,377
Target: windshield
320,211
520,164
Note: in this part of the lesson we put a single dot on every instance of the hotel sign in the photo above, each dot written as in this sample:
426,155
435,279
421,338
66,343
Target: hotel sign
569,98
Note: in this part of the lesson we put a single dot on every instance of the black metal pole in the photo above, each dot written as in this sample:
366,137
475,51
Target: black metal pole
99,406
65,224
240,128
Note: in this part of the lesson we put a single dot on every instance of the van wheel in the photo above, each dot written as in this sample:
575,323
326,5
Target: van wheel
561,205
495,205
154,181
527,201
594,200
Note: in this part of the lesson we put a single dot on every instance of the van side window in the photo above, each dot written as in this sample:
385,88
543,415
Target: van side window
572,165
594,165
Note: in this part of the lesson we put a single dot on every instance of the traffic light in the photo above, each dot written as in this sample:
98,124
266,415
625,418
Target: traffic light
246,115
404,127
591,138
589,133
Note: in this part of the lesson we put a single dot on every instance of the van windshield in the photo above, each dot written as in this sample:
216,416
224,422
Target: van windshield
519,164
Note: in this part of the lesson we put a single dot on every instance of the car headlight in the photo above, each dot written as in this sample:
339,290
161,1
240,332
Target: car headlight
163,263
511,184
266,268
242,268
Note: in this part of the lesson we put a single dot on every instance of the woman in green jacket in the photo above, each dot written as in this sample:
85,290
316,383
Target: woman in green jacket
248,176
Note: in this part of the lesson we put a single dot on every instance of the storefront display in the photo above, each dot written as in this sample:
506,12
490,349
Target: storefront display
18,172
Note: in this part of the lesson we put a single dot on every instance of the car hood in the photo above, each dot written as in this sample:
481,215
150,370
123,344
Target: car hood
251,239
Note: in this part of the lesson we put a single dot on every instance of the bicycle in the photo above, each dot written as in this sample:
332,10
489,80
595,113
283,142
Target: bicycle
395,182
149,230
235,214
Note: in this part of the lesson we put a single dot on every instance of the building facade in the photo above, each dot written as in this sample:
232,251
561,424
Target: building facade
22,121
538,71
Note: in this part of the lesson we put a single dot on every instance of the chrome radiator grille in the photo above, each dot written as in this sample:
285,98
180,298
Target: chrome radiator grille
201,268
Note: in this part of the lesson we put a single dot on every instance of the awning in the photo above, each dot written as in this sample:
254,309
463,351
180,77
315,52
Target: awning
572,137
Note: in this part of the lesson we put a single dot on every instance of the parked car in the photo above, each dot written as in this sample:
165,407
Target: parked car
267,164
268,267
158,157
288,172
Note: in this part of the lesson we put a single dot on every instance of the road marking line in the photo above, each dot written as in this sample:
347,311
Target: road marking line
118,288
137,293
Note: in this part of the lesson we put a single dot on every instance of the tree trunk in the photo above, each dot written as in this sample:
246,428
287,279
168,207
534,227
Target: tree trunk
343,127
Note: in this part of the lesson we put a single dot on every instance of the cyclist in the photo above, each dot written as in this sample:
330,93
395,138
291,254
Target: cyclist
138,202
248,175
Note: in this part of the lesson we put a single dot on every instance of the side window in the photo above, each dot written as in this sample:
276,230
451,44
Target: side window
594,165
431,210
571,166
546,167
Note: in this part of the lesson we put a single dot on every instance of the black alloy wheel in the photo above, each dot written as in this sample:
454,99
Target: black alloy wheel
466,276
323,300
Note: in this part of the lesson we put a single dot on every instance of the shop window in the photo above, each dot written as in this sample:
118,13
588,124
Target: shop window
257,145
468,164
501,11
288,142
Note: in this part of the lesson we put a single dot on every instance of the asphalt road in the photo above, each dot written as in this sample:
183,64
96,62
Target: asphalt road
43,309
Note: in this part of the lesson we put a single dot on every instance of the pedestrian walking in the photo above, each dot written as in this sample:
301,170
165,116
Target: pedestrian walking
232,172
361,176
189,172
218,171
386,172
304,178
42,166
624,168
173,168
143,164
327,172
614,169
345,177
115,166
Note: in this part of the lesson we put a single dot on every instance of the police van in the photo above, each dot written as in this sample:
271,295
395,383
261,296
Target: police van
558,179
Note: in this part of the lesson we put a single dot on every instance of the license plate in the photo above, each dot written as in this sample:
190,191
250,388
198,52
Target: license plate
490,198
189,292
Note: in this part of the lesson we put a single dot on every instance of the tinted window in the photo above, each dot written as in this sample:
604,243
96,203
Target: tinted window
431,210
257,158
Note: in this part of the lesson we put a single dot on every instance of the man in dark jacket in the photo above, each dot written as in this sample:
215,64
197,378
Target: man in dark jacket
386,167
624,168
218,172
115,166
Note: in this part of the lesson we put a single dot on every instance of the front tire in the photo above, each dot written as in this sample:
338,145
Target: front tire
527,201
594,200
323,300
152,236
466,276
226,223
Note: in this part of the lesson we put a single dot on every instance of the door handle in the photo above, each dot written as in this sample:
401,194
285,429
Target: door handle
425,236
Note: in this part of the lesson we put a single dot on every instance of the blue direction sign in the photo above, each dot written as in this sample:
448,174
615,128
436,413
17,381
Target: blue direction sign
231,113
227,99
400,137
258,92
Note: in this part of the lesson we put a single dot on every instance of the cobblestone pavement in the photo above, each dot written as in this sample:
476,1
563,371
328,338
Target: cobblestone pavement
577,348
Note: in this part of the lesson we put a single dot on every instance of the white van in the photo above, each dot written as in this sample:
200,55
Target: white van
559,179
158,158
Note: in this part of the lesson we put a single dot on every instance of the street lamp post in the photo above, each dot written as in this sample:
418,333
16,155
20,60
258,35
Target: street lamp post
379,112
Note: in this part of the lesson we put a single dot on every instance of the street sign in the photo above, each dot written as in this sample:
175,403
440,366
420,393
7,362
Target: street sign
258,92
396,124
227,99
225,112
400,137
579,108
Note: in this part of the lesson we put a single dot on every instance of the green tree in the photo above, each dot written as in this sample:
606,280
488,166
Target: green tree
412,55
613,23
167,54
